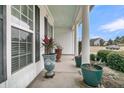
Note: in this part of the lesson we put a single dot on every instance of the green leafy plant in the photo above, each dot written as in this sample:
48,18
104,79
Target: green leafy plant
115,60
92,57
102,55
49,44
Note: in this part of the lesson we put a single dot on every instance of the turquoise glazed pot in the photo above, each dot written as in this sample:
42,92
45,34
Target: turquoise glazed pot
78,61
92,77
49,64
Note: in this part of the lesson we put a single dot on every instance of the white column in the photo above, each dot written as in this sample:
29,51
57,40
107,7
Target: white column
85,35
76,40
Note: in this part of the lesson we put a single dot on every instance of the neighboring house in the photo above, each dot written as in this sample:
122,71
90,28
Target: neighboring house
97,42
105,43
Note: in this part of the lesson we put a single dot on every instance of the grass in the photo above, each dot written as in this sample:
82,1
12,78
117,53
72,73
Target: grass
95,49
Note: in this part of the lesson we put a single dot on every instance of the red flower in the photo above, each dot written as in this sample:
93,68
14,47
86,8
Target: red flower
46,40
48,43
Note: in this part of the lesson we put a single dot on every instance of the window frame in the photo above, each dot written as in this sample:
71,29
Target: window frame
37,33
23,28
4,44
26,26
19,55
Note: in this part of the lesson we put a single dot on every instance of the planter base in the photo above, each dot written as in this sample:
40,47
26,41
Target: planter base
49,74
58,60
83,83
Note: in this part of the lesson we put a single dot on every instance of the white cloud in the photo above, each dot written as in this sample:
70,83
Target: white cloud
113,26
95,37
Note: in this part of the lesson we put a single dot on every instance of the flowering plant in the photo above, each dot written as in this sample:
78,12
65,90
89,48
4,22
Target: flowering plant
49,44
58,46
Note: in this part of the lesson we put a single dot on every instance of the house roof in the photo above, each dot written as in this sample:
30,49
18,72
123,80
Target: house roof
92,40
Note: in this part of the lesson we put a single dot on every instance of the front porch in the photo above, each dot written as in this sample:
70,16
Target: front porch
67,76
26,26
24,61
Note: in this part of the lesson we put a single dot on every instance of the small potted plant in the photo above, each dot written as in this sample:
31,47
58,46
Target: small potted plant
92,73
58,52
49,57
78,61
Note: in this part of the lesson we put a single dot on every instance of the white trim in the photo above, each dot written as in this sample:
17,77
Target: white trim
21,27
34,34
75,17
78,17
8,40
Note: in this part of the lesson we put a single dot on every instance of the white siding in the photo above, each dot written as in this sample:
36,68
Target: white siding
97,42
65,37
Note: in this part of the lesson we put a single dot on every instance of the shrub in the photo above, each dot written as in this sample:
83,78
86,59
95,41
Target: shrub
92,57
115,60
97,58
102,55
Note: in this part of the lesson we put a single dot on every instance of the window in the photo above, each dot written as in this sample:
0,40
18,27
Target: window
15,12
24,10
2,44
24,13
21,48
48,28
37,34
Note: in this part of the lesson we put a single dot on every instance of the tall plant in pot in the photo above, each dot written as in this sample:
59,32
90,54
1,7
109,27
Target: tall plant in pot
58,52
49,57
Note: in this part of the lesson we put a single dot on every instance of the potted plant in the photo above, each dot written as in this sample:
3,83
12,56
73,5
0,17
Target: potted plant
92,74
49,57
58,52
78,57
78,61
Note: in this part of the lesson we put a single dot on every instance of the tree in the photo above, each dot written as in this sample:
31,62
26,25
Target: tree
110,42
117,40
122,40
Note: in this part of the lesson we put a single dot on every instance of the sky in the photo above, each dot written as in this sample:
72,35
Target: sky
106,22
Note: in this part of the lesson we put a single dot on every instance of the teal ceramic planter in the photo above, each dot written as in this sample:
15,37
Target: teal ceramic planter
78,61
49,64
92,77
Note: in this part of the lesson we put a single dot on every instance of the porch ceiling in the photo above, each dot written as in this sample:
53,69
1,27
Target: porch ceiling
63,15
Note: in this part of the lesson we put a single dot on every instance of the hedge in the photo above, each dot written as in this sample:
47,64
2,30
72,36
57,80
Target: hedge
102,55
115,60
92,57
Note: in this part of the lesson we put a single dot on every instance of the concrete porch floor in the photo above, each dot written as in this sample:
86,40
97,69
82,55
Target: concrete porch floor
66,76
